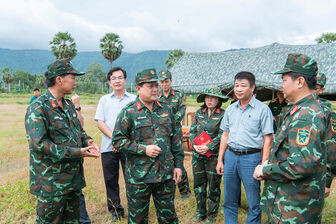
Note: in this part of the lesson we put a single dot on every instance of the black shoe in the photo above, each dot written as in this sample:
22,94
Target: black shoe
116,218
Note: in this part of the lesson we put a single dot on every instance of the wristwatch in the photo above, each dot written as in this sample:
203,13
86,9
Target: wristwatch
78,109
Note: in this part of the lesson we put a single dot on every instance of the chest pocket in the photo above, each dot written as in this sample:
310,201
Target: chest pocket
143,129
165,127
253,125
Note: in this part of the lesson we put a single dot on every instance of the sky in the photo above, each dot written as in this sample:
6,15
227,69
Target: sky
190,25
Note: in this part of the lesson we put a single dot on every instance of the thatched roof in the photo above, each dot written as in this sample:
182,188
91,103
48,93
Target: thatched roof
196,71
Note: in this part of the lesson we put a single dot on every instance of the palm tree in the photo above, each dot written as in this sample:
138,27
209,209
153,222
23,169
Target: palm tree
111,47
63,46
7,77
173,57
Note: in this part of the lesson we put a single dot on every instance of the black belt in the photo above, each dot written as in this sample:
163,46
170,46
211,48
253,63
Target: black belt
244,152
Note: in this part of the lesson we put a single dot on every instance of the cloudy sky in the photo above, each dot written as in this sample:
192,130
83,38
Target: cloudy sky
192,25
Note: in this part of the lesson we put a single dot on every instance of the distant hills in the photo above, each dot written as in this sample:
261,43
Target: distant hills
36,61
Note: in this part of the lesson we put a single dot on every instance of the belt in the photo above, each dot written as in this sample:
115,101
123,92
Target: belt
244,152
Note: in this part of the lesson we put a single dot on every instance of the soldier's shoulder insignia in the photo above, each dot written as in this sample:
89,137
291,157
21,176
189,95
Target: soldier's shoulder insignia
333,126
273,101
302,136
53,104
217,110
138,105
158,103
173,92
296,108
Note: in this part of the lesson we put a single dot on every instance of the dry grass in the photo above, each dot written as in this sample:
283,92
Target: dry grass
18,206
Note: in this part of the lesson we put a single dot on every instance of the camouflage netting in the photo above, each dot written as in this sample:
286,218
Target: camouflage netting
196,71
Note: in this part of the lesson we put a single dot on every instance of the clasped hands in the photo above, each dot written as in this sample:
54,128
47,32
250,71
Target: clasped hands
258,171
201,149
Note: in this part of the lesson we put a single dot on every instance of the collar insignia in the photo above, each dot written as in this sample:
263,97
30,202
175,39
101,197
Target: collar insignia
53,104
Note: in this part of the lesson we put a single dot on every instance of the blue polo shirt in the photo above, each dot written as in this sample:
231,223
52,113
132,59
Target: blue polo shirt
247,127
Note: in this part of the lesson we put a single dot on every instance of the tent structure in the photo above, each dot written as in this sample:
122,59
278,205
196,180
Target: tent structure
196,71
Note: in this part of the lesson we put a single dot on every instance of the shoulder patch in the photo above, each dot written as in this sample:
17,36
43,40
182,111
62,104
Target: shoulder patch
302,137
173,92
296,108
333,126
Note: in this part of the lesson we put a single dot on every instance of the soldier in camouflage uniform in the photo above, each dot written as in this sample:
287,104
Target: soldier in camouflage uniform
174,99
331,129
146,133
57,144
208,119
276,106
295,172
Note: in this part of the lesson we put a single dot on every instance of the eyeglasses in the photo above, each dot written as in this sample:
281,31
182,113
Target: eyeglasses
117,78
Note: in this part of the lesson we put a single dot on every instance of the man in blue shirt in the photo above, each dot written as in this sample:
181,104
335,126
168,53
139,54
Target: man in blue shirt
36,95
247,130
108,109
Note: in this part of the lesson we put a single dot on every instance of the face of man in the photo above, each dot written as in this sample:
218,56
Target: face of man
280,95
166,85
242,89
37,93
117,81
149,92
319,89
289,87
211,101
67,83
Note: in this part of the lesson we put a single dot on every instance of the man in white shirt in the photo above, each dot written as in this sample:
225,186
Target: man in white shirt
107,111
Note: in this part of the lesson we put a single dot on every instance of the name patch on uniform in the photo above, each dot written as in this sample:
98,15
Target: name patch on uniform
164,115
333,126
141,118
302,137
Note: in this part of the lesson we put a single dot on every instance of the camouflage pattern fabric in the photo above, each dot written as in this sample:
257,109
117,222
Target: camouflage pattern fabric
164,74
276,108
136,127
147,75
138,198
61,67
175,101
204,169
295,176
299,63
55,139
59,209
321,79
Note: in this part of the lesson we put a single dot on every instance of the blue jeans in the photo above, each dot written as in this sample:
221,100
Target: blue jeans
240,168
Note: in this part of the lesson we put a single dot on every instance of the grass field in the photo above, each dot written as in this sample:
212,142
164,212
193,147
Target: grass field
18,206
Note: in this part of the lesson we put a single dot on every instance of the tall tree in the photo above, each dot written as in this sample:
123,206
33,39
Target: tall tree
326,38
7,78
63,46
111,46
173,57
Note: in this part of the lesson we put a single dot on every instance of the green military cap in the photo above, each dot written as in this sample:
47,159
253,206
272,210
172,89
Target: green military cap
211,91
147,75
321,79
299,63
61,67
164,74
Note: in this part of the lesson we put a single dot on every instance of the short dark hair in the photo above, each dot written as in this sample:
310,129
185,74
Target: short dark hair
255,90
310,80
36,89
219,104
51,81
114,69
246,75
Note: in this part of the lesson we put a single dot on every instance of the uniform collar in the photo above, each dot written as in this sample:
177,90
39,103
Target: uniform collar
125,94
252,102
140,105
171,92
216,111
53,102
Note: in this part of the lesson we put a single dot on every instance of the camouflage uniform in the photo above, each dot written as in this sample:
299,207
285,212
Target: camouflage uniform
137,127
276,108
55,138
204,168
295,175
175,101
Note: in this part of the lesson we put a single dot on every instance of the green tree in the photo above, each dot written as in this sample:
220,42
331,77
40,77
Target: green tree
173,57
111,47
63,46
40,81
326,38
7,78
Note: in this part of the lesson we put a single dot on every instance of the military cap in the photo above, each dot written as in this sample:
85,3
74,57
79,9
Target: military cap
61,67
164,74
147,75
299,63
211,91
321,79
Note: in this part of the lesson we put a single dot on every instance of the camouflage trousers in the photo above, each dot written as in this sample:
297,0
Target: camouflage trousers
183,186
138,198
204,171
59,209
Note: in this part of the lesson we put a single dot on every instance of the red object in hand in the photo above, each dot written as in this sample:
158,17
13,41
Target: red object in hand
204,139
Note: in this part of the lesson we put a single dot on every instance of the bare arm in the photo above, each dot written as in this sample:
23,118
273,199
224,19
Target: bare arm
222,148
102,126
268,139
